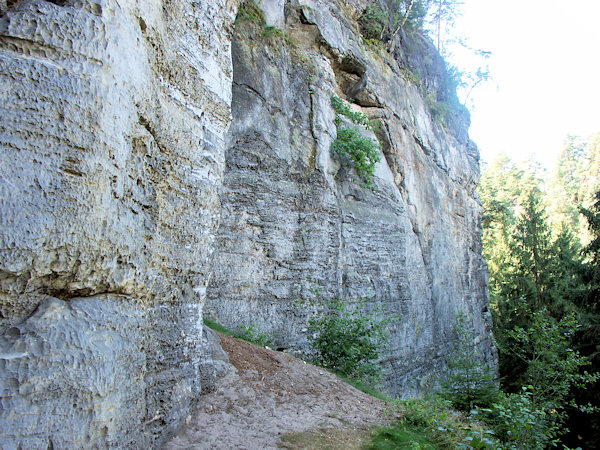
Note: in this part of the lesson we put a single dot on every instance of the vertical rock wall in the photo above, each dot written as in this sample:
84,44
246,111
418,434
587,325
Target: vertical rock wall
112,131
127,200
295,218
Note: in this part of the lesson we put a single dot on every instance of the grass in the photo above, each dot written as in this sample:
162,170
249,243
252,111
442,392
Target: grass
217,327
246,333
362,387
250,12
402,436
271,32
433,422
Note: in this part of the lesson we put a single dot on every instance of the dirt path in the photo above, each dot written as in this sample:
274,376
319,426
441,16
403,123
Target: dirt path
268,395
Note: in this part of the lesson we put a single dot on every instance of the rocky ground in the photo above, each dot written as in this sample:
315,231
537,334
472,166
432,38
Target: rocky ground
270,399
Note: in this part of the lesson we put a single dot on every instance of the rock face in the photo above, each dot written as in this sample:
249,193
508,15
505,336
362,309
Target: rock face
155,157
113,121
295,218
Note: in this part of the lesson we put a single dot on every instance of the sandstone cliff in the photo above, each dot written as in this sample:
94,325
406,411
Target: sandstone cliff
158,156
295,219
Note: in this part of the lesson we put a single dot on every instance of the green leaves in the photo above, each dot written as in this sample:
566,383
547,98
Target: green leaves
534,417
250,12
383,25
537,289
362,152
349,340
469,382
519,423
343,108
254,335
553,367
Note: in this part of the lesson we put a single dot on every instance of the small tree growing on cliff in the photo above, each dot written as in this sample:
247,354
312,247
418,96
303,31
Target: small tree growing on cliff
362,152
377,24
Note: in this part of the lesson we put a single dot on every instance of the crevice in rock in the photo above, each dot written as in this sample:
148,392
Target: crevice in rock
150,129
251,89
66,294
312,163
350,75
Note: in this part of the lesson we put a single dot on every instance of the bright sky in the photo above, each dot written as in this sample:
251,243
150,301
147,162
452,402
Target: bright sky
546,68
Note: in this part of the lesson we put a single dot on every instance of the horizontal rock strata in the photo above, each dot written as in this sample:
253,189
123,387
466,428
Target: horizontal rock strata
161,158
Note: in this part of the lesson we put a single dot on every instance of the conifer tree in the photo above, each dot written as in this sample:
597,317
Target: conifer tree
532,243
470,382
588,337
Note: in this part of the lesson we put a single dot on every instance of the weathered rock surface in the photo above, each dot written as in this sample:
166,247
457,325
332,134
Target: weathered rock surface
113,120
295,218
126,191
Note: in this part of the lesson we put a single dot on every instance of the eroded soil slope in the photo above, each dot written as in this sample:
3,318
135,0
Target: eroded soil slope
267,395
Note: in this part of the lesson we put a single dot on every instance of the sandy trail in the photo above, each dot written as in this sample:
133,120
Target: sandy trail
267,394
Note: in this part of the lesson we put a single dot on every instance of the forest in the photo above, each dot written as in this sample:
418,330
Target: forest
542,245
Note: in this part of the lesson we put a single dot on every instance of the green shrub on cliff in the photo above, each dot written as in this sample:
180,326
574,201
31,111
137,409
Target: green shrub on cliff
343,108
250,12
349,340
363,152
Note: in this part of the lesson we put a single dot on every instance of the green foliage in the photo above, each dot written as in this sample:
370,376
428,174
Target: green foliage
402,436
444,103
534,417
250,12
439,109
272,32
553,367
592,216
363,152
520,424
251,18
412,75
470,382
252,334
343,108
361,386
435,422
538,285
217,327
349,340
531,266
573,184
378,24
589,337
372,22
248,333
